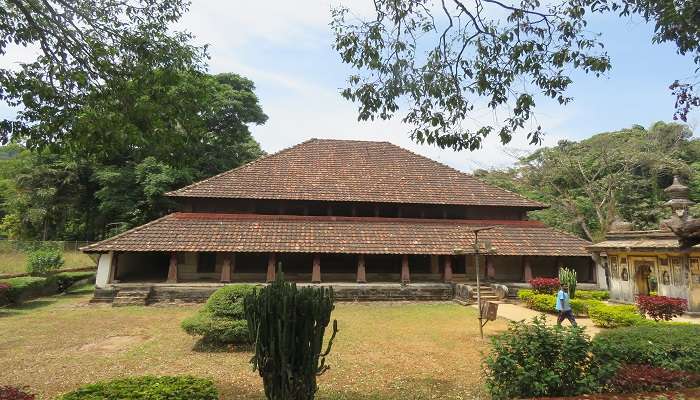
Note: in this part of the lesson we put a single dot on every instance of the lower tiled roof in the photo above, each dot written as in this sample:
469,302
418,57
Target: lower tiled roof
358,235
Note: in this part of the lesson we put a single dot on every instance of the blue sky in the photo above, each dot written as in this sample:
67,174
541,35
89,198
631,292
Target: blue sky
286,49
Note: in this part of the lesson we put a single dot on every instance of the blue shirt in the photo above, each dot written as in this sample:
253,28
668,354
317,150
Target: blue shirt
562,297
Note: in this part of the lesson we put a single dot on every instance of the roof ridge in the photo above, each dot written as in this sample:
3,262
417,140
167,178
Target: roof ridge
174,193
128,231
468,175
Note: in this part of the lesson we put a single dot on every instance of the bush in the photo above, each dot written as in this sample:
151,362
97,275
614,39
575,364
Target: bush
546,303
613,316
222,319
638,378
663,345
216,330
661,307
600,295
545,285
147,388
24,287
15,393
525,294
44,260
4,293
534,360
65,280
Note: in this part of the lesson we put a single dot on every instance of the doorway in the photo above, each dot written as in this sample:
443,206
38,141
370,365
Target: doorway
643,274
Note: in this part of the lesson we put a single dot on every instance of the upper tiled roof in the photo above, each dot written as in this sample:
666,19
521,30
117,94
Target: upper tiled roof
359,235
639,240
348,170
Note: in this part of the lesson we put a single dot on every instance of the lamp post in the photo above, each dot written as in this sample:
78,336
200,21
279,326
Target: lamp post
477,252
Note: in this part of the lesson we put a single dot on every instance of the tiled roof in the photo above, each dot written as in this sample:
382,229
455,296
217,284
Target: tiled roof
349,170
358,235
639,240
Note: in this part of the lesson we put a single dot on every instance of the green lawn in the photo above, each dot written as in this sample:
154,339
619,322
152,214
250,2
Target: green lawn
383,350
12,262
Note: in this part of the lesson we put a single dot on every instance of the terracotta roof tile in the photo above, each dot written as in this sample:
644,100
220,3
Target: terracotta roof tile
348,170
358,235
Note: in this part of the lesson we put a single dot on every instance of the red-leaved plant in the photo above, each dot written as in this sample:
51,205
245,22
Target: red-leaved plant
638,378
545,285
15,393
4,293
661,307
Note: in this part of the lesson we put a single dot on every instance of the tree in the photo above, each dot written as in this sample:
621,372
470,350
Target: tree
446,60
614,174
82,45
131,142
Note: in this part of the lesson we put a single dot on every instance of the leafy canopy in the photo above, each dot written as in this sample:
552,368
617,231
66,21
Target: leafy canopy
445,61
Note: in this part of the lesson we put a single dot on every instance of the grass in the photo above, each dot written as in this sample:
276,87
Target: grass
383,350
14,262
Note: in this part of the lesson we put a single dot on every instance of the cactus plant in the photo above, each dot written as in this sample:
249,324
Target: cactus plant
567,277
287,325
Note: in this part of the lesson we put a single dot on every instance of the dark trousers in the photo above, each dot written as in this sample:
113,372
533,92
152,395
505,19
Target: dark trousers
568,315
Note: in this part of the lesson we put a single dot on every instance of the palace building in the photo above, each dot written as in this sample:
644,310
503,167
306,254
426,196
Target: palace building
340,211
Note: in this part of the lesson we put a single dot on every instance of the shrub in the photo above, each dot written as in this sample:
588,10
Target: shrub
44,260
4,293
637,378
222,319
288,324
661,307
545,285
216,330
525,294
663,345
65,280
613,316
600,295
535,360
15,393
147,388
567,277
546,303
24,287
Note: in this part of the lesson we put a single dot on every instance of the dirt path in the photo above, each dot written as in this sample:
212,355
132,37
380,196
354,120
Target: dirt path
516,312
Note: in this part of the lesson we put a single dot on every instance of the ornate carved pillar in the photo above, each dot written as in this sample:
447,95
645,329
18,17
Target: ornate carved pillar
316,269
447,277
490,268
228,266
172,268
361,273
271,261
527,269
434,264
405,271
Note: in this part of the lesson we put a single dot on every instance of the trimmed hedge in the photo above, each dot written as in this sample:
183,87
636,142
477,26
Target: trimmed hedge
222,319
600,295
27,287
662,345
147,388
613,315
546,303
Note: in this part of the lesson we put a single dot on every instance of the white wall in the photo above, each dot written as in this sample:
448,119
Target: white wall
103,267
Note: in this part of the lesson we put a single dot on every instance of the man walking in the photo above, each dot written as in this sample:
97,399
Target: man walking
563,306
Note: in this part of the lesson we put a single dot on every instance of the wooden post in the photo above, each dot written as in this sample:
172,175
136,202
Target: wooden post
447,277
271,261
490,269
172,268
527,269
228,267
361,272
405,271
316,270
434,264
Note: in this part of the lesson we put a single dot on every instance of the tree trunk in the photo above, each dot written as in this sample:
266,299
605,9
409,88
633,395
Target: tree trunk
688,232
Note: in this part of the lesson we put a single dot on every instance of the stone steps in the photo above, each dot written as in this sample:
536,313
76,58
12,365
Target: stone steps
131,297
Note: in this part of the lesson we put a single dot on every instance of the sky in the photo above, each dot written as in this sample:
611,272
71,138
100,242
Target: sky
285,47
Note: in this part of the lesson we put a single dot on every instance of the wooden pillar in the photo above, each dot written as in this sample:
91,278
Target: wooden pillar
316,269
527,269
172,268
405,271
306,209
228,267
376,210
354,210
490,269
329,210
271,261
361,272
447,274
434,264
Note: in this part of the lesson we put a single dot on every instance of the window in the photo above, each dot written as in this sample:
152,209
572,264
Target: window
206,262
614,272
677,272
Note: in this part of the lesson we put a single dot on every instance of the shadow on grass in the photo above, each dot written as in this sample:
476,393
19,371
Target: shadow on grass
207,346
